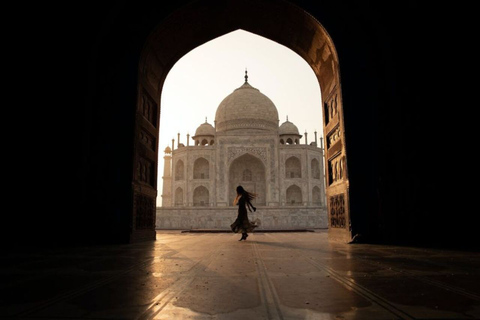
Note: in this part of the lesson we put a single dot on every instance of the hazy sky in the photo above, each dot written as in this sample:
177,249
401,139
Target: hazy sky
202,78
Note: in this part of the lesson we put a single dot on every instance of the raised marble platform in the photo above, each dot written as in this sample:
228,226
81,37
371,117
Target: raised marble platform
278,218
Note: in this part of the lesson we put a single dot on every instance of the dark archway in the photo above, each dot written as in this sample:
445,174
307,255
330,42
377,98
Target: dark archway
386,61
300,32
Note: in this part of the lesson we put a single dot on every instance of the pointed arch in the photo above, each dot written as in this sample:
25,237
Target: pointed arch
179,197
257,184
201,197
315,168
179,170
201,169
294,196
293,168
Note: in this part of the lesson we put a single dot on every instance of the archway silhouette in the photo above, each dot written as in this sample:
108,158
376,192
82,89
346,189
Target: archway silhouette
305,36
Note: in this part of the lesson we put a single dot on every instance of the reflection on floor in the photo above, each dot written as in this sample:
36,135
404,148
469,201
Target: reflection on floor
214,276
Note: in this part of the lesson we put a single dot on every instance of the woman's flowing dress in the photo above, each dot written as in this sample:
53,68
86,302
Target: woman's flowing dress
242,224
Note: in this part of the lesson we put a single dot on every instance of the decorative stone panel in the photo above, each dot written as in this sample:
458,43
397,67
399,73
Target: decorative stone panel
337,211
149,109
146,171
148,139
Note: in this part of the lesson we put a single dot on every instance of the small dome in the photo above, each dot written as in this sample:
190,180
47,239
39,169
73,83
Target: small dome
205,129
288,128
168,150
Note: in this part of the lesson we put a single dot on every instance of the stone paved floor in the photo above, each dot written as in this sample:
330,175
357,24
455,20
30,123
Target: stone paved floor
213,276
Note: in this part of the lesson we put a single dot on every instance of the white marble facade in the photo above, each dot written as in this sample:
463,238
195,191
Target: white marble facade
246,147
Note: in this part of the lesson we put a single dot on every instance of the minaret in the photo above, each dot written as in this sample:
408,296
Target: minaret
306,142
167,178
188,139
315,138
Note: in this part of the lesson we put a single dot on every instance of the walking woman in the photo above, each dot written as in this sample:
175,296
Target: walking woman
242,224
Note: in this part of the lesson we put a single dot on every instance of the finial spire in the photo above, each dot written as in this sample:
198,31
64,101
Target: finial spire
287,118
205,119
246,75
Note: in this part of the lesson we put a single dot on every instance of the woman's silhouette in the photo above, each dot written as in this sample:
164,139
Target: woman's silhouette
242,224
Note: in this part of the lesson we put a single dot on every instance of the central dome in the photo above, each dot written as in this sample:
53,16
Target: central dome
246,108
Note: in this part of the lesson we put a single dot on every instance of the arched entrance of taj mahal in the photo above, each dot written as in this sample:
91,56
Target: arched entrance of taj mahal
173,38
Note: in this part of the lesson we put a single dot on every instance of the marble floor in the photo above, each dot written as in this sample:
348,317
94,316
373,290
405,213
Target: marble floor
295,275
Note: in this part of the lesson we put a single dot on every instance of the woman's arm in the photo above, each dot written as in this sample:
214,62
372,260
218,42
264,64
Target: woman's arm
235,201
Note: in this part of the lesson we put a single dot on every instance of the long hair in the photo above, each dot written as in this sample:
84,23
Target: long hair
248,196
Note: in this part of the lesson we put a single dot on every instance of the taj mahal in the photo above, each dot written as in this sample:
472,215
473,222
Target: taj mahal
247,147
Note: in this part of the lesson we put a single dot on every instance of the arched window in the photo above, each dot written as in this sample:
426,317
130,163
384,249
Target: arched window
293,168
294,196
179,197
316,196
315,165
211,142
201,169
247,175
201,197
204,142
179,170
281,141
289,141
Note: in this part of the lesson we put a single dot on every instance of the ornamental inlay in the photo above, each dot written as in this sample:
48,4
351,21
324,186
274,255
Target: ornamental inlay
235,152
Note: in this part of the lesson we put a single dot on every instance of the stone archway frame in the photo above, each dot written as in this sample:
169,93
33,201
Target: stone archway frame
253,182
202,21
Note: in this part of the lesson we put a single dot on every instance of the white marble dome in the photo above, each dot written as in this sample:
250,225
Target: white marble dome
246,108
288,128
205,129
